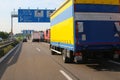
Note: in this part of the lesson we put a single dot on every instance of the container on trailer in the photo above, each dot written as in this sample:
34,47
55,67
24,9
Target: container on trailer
35,36
86,29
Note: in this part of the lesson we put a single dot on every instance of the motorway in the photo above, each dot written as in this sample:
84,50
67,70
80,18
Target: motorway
33,61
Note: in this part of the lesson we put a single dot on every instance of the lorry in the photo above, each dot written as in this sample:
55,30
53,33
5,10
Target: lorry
86,29
35,36
47,35
41,36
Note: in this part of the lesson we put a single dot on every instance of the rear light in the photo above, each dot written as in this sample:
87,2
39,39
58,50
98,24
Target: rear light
78,54
117,52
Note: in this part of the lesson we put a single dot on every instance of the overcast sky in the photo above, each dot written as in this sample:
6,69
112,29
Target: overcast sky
7,6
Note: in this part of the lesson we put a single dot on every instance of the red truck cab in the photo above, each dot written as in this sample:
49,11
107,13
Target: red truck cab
47,35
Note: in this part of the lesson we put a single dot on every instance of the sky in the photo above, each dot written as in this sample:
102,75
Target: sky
7,6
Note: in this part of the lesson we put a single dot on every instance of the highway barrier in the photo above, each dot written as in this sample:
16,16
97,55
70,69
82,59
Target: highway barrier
10,52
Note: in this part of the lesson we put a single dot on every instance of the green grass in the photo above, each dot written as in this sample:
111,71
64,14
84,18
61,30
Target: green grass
7,49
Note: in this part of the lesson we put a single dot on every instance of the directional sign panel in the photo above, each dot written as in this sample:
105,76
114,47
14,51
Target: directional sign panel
34,15
25,32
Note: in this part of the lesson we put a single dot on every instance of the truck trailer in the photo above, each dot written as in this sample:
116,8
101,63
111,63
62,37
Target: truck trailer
35,36
86,29
41,36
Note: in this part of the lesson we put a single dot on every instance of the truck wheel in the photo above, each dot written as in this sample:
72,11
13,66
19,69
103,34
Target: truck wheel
52,52
64,55
67,59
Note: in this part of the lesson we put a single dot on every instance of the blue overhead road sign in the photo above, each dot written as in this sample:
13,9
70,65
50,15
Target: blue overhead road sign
34,15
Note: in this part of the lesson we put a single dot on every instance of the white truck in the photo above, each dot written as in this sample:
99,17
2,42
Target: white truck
35,36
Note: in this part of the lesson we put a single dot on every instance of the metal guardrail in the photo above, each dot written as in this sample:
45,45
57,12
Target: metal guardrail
6,43
17,48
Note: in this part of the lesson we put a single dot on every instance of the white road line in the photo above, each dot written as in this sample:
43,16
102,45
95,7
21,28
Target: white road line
11,59
114,62
38,49
68,77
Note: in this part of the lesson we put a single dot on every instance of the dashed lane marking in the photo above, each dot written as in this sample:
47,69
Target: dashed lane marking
38,49
66,75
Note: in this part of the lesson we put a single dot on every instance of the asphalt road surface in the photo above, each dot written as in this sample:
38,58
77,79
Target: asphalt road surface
33,61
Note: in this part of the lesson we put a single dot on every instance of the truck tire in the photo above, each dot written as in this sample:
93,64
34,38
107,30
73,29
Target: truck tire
64,55
32,40
52,52
67,59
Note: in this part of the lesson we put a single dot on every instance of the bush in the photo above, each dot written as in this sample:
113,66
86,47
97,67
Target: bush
1,52
7,49
15,43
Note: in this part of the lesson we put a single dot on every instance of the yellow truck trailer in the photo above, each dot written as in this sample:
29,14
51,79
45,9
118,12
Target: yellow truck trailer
81,29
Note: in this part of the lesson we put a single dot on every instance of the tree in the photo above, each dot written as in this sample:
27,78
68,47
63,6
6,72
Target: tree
4,35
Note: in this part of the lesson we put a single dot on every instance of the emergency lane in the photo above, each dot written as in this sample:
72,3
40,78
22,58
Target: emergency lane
32,64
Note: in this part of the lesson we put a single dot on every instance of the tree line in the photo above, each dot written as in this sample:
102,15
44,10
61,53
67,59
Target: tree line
4,35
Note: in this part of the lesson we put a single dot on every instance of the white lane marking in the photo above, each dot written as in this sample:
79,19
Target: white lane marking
114,62
38,49
11,59
68,77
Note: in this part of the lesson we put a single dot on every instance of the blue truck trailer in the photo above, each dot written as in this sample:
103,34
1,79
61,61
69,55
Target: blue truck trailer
83,29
